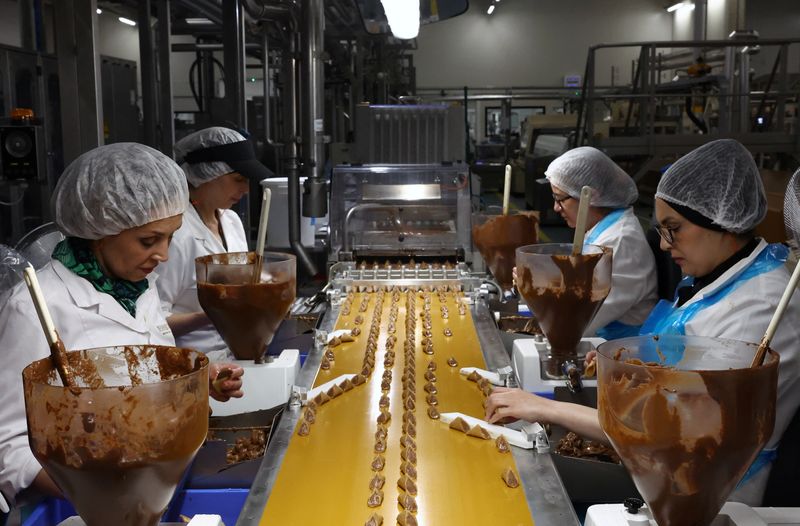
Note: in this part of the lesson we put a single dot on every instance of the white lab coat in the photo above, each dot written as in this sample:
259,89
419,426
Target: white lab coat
177,283
85,318
744,315
633,277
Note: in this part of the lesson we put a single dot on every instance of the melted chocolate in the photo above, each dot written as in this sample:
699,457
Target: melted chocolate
248,315
685,467
498,239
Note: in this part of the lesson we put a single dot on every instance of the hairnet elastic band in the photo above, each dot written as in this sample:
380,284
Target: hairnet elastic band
696,217
235,151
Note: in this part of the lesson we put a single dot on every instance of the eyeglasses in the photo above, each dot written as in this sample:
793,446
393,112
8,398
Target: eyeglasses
559,199
667,233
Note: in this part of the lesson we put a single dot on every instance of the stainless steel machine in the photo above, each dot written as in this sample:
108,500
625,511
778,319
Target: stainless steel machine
400,211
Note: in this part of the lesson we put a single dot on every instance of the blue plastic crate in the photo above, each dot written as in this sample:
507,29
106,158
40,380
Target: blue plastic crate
227,503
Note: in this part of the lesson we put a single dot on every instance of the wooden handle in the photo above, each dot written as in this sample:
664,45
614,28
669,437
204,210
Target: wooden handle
507,189
776,318
266,198
580,225
41,306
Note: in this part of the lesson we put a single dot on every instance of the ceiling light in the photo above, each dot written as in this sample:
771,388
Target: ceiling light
680,5
198,21
99,11
490,10
403,17
126,21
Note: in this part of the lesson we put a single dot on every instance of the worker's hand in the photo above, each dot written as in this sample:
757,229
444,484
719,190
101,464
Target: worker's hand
590,364
506,405
225,381
514,276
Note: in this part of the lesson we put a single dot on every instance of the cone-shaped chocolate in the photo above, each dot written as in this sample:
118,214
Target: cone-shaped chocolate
497,237
688,430
118,449
246,312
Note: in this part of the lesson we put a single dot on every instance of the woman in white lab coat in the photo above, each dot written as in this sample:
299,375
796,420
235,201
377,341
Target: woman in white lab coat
612,223
707,205
118,205
219,164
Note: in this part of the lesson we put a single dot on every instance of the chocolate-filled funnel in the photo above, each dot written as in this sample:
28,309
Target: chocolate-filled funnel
687,415
564,292
497,237
246,313
119,447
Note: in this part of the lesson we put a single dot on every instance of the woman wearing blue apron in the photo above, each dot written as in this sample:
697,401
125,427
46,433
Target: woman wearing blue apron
707,205
611,223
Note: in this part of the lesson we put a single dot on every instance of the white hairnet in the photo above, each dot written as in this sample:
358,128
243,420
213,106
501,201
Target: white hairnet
587,166
791,209
719,181
200,173
117,187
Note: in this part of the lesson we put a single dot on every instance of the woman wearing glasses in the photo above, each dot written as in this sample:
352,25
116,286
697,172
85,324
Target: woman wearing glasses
612,223
707,205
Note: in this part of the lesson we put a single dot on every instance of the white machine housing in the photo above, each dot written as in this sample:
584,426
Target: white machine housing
731,514
526,358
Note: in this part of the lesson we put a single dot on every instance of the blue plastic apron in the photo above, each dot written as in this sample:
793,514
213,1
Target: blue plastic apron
615,329
667,319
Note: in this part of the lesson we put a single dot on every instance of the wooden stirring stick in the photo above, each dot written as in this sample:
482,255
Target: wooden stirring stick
761,353
261,240
580,225
507,189
57,351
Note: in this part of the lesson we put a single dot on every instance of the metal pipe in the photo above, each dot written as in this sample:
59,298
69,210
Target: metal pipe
233,25
148,70
189,47
265,71
290,149
165,97
313,129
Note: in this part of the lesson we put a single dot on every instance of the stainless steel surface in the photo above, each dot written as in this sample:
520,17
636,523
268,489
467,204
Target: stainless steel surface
544,491
401,192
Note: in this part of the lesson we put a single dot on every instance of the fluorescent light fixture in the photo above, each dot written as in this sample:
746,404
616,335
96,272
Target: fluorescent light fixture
99,11
403,17
490,10
198,21
680,5
126,21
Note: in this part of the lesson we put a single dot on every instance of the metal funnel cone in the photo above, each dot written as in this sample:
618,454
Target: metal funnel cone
497,237
687,429
118,449
246,312
564,292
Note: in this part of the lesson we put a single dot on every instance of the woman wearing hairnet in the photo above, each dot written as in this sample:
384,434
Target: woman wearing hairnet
707,205
118,205
219,164
612,223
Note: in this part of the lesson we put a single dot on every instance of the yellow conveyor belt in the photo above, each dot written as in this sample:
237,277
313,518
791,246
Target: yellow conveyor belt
324,477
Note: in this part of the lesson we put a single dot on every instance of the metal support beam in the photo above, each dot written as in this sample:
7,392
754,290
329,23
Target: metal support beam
79,76
167,123
147,65
233,40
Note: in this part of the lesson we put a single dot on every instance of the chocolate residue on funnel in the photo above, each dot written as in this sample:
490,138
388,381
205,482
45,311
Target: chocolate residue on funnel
686,437
566,307
248,315
118,453
498,239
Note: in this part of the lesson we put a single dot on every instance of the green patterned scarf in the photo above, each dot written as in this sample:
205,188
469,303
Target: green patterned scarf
76,254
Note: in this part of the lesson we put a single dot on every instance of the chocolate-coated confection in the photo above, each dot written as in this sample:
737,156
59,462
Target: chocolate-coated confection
324,364
377,481
459,425
309,415
355,331
359,379
374,520
359,320
428,350
375,499
410,429
502,444
381,433
329,355
510,478
409,455
322,398
473,376
408,485
346,385
386,385
479,432
334,391
407,501
409,403
407,441
380,446
335,342
430,376
452,362
447,332
303,429
430,387
384,417
378,463
432,400
431,365
409,470
487,390
433,413
311,404
405,518
409,418
384,401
